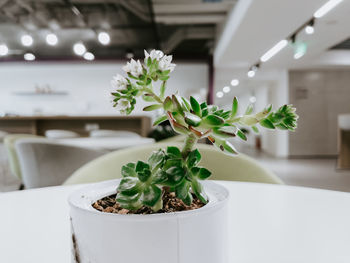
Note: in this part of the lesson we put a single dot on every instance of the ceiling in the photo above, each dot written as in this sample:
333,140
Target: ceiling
186,28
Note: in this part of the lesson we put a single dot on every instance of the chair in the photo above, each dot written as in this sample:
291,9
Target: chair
3,134
45,163
60,134
112,133
9,142
223,167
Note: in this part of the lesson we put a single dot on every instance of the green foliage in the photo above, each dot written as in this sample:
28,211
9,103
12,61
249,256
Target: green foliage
144,182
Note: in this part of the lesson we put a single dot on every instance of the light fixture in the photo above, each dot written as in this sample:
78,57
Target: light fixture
29,56
79,49
252,99
226,89
274,50
89,56
4,50
27,40
300,49
309,29
326,8
235,82
251,73
51,39
219,94
104,38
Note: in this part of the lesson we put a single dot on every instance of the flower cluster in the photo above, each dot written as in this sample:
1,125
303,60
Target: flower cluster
144,182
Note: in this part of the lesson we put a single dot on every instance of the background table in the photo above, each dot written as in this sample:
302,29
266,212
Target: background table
110,143
268,223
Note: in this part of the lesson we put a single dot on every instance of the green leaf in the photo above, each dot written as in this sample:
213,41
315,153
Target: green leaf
162,89
153,107
149,61
177,104
144,175
128,170
204,173
197,189
188,200
204,105
267,124
193,158
234,107
225,131
182,190
186,104
213,120
151,195
148,81
160,119
173,152
140,166
248,120
159,177
175,175
195,106
173,162
249,109
148,97
156,159
224,146
129,186
241,135
168,104
255,129
192,120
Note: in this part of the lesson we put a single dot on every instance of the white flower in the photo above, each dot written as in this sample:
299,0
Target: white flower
165,63
154,54
119,82
123,105
134,68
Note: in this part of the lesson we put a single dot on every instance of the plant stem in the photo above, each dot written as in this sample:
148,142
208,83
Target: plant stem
190,141
150,91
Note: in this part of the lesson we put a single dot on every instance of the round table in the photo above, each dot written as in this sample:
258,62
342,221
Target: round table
268,223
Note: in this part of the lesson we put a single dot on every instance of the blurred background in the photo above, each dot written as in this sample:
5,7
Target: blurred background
57,58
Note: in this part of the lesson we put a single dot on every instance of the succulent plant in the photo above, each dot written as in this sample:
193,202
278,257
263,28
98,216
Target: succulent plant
176,170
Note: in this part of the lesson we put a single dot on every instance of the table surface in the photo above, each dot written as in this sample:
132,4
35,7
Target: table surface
268,223
107,143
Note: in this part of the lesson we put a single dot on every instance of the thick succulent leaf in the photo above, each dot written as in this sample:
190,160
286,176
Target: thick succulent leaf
156,159
151,195
204,173
140,166
148,97
248,120
188,199
213,120
255,129
195,106
193,158
182,189
249,109
173,152
173,162
153,107
223,145
186,104
204,105
168,104
197,189
128,198
129,186
241,135
128,170
162,89
192,120
130,205
144,175
234,107
177,104
267,124
175,175
160,119
226,131
159,177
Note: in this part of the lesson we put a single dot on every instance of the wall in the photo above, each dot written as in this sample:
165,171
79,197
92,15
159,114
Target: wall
87,84
319,96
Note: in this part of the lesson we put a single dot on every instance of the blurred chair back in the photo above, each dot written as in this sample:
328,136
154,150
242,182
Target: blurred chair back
222,166
60,134
112,133
44,163
3,134
9,143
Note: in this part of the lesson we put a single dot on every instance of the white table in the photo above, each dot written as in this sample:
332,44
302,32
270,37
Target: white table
110,143
269,223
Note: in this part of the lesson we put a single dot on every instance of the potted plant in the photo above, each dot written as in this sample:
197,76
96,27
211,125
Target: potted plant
162,210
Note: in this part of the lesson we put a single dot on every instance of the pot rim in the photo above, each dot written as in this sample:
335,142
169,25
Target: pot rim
83,198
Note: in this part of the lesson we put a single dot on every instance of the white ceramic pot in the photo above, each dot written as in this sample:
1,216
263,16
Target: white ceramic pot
196,236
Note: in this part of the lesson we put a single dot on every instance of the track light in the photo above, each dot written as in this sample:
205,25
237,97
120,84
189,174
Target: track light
235,82
79,49
51,39
29,56
251,73
274,50
226,89
4,50
326,8
104,38
89,56
309,29
300,49
252,99
219,94
27,40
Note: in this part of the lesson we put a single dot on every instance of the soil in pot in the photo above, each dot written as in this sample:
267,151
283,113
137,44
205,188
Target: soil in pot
171,204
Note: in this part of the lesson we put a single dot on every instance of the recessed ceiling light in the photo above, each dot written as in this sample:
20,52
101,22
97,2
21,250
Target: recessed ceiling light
89,56
235,82
219,94
4,50
226,89
27,40
29,56
79,49
104,38
51,39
